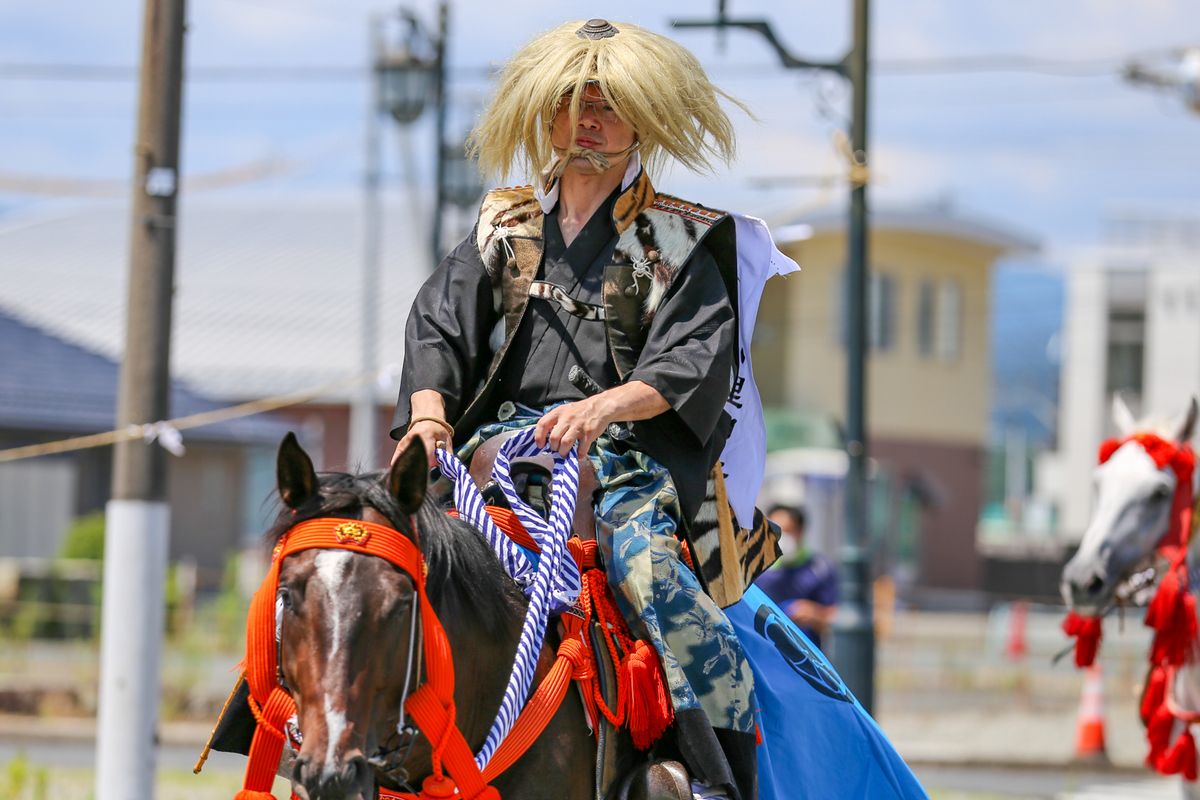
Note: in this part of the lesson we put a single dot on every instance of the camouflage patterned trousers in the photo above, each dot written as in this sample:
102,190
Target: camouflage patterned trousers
637,518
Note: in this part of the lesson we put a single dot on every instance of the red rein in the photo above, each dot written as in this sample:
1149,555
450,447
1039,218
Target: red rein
1171,614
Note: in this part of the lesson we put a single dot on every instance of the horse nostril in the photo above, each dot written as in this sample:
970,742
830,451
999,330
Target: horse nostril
355,771
1094,586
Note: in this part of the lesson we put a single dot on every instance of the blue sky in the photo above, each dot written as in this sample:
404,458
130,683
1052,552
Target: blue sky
1046,155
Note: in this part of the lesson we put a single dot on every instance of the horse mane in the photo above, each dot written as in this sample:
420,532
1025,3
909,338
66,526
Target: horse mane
466,581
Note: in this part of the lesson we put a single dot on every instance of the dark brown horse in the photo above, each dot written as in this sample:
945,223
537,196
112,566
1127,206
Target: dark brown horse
346,638
346,632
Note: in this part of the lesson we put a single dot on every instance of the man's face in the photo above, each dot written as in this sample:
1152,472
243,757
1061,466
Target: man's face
599,129
787,524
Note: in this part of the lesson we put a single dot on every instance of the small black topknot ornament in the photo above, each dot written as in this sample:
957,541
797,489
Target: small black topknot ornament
597,29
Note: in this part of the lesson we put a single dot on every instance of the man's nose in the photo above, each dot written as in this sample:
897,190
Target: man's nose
588,117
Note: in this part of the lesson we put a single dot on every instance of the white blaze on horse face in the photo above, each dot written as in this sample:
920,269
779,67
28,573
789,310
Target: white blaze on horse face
1124,529
332,568
335,724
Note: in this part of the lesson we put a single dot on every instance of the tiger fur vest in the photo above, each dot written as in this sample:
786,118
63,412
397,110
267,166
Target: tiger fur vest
657,234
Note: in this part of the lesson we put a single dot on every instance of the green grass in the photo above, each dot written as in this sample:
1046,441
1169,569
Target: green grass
21,780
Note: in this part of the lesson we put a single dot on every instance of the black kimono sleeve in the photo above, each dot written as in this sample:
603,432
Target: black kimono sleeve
446,338
688,355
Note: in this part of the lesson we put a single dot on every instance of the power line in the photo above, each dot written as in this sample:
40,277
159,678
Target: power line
1054,67
119,73
115,73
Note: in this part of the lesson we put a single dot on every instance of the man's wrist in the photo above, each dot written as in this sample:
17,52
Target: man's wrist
437,420
604,406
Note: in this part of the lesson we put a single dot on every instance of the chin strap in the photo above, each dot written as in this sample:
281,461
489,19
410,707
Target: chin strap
599,161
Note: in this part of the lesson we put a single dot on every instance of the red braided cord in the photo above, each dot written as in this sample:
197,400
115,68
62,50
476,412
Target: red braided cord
593,606
262,720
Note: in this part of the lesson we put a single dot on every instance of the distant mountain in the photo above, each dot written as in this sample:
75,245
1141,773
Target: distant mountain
1026,326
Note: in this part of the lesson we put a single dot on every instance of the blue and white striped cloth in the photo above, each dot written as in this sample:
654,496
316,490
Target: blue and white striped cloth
552,585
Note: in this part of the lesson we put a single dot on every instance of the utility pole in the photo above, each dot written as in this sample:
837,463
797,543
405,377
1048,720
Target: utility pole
853,650
404,76
137,517
853,627
439,135
363,450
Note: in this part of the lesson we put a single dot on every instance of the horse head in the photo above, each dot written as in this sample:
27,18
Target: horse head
1131,514
336,611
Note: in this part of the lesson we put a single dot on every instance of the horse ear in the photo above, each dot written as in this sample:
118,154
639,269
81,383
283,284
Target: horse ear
1187,426
294,473
409,476
1122,416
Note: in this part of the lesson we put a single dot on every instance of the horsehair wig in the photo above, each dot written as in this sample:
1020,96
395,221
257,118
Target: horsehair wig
653,83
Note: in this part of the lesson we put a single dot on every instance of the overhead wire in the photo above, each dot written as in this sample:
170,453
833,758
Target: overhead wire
1015,62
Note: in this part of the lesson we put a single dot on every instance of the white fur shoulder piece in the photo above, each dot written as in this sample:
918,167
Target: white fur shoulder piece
660,240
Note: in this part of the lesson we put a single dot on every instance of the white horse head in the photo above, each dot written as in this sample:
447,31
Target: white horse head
1131,514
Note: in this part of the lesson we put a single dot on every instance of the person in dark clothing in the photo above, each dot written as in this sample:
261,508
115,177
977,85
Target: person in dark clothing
592,269
804,584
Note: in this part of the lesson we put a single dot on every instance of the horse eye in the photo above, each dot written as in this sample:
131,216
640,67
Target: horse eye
1161,493
285,597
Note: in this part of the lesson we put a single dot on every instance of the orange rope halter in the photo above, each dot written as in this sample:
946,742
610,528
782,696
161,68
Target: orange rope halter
455,775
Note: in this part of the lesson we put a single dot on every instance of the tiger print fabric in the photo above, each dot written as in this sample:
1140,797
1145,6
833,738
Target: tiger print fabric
728,556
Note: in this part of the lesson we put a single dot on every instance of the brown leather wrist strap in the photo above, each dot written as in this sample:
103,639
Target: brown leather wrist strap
449,428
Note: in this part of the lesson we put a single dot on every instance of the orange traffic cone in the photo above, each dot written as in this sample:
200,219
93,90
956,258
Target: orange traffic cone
1018,618
1089,734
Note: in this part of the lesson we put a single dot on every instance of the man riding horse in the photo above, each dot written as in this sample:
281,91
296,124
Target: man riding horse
590,299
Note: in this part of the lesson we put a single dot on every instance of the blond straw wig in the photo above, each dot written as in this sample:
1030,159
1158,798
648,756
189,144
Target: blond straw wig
654,84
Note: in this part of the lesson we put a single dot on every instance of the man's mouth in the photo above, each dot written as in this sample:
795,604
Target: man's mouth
583,141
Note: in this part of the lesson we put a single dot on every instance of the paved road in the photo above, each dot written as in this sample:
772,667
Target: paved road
960,783
1045,784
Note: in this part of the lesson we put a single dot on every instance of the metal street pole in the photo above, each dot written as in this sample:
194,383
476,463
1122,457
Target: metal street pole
853,649
439,93
853,628
137,517
364,449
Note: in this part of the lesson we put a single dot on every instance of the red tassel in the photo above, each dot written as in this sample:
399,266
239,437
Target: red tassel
250,794
1154,693
1181,758
648,709
1158,736
1087,631
1172,615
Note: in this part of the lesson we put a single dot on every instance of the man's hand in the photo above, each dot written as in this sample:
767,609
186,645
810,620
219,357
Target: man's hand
810,614
580,423
573,424
431,434
426,403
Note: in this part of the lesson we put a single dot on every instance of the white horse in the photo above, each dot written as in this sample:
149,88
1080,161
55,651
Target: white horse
1117,562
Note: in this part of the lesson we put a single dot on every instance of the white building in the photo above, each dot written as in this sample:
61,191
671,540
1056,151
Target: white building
1132,325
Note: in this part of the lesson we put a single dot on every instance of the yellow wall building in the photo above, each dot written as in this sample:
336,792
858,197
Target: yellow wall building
929,370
